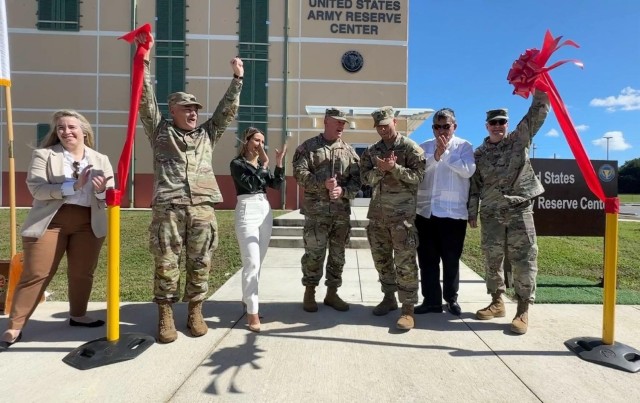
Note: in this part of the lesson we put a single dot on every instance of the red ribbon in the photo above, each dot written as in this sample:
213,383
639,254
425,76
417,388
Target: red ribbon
114,196
529,73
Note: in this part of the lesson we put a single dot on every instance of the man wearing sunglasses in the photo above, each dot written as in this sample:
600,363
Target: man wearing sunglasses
441,218
506,185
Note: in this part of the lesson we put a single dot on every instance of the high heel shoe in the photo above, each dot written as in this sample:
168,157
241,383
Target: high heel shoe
254,327
4,345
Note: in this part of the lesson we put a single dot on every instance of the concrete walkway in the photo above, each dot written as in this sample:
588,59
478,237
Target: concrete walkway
327,356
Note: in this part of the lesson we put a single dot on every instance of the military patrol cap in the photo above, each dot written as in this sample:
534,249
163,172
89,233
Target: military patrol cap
497,114
182,98
335,113
383,116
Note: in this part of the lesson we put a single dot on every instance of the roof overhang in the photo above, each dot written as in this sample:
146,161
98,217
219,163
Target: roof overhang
414,116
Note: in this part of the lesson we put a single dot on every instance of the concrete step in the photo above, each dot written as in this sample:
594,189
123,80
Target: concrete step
299,222
280,241
297,231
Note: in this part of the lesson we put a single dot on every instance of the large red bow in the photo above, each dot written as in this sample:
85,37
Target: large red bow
114,196
529,73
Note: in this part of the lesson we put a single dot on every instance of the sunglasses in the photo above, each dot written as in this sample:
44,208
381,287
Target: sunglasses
499,122
76,169
438,127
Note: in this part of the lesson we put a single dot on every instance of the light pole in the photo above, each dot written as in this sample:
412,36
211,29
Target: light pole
608,138
533,150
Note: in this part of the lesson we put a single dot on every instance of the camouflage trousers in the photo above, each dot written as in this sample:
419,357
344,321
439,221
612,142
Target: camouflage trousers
320,233
512,232
393,248
174,227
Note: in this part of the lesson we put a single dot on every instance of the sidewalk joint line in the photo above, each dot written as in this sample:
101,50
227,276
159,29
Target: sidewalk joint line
501,360
208,356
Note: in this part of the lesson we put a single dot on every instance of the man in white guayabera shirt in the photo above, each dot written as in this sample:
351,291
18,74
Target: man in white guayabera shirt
441,218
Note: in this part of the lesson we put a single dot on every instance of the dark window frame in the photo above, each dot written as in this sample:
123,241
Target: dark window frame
253,47
170,46
58,15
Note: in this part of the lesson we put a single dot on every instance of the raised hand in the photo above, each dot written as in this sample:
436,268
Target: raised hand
262,155
142,38
237,66
280,155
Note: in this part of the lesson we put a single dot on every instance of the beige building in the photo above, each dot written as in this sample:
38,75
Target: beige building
301,56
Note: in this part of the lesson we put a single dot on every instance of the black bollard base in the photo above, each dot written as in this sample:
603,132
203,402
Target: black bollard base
617,355
101,352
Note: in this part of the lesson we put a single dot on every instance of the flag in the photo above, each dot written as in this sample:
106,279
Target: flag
5,77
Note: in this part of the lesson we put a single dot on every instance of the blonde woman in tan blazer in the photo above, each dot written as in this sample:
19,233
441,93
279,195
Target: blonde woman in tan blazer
67,180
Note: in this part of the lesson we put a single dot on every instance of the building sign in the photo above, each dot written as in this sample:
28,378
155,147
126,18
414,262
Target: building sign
567,207
356,17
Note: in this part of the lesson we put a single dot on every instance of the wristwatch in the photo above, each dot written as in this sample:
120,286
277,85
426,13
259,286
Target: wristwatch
237,76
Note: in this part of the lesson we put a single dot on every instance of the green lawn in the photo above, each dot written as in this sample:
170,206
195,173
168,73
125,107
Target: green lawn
629,198
136,266
569,268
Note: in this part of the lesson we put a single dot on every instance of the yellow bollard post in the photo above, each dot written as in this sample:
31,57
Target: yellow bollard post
113,273
610,278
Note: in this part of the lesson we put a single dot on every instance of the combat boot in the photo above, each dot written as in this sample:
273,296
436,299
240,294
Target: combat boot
309,301
166,327
406,320
389,303
333,300
495,309
195,321
520,323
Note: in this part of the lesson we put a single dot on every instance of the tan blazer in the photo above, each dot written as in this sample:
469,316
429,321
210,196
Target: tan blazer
45,178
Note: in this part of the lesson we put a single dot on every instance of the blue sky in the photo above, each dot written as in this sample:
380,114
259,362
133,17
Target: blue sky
460,52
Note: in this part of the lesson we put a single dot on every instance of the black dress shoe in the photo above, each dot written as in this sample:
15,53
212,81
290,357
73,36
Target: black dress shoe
4,345
95,323
420,309
454,308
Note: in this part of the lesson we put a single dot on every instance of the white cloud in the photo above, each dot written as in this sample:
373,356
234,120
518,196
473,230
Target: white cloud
556,133
552,133
616,141
627,100
582,128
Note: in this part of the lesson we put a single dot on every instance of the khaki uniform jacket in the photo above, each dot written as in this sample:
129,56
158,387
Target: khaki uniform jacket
183,161
315,161
394,193
44,180
504,178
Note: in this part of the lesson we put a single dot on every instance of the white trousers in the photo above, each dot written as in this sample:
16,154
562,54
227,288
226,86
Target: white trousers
254,221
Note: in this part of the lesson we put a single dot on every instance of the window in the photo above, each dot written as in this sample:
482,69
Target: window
59,15
170,49
42,129
254,47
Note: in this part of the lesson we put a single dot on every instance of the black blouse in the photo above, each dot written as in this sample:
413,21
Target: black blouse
251,180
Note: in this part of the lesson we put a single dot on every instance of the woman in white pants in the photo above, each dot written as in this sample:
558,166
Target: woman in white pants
253,217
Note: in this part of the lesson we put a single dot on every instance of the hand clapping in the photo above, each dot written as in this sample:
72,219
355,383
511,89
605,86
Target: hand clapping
388,163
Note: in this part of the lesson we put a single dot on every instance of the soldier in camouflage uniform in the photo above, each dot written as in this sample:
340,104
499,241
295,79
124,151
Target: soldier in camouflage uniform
505,184
184,194
393,167
327,168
